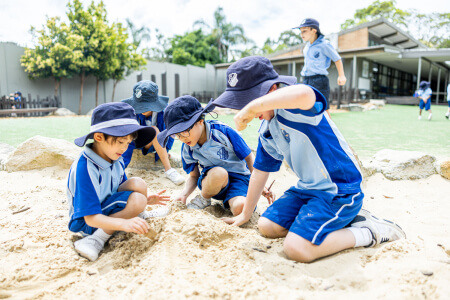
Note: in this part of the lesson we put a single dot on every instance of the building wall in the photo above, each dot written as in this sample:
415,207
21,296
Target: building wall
355,39
192,79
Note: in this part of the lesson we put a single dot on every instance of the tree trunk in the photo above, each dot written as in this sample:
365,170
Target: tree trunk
114,89
82,78
57,84
96,93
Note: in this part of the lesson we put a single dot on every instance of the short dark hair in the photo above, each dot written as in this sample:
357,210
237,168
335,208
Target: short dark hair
133,135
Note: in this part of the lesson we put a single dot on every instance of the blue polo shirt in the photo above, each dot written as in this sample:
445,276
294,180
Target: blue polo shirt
448,92
156,119
224,147
91,180
312,146
424,93
318,56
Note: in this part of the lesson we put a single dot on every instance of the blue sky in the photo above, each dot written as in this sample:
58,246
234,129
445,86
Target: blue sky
260,18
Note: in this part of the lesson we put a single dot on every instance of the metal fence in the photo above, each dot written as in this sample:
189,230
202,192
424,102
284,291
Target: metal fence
27,106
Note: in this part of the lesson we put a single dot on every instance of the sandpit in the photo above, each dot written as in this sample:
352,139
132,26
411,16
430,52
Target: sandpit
196,255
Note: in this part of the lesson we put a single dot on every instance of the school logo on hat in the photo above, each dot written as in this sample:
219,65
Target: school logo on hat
232,79
138,93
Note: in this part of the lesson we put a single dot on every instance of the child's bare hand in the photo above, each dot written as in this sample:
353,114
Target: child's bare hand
136,225
269,195
341,80
242,118
158,198
181,198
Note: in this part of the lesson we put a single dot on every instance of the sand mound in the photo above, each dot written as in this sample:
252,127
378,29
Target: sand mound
192,253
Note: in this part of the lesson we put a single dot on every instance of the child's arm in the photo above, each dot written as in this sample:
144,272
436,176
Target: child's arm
189,187
258,180
291,97
341,76
249,160
136,225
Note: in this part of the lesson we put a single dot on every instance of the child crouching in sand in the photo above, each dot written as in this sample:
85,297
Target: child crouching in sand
321,214
102,199
225,159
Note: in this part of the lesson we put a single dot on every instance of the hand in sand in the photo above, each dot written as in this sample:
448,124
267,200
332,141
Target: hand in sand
158,198
243,117
236,220
181,198
136,225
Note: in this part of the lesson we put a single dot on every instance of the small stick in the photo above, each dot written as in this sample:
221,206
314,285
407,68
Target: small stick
21,210
271,185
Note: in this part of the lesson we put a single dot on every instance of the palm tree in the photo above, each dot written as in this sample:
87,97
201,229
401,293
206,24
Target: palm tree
138,34
226,34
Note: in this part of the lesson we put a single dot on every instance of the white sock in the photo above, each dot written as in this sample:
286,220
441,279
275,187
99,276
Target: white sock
101,235
363,236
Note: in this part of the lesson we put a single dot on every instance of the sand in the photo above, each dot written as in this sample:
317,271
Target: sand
196,255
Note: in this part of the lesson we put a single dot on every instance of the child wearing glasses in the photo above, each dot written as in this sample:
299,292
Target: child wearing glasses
214,155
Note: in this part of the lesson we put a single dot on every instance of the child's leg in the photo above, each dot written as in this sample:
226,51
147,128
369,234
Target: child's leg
134,184
299,249
236,205
271,229
162,152
214,181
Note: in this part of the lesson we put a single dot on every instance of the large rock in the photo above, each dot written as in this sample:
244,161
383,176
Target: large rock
62,112
399,165
378,103
146,162
40,152
443,168
5,150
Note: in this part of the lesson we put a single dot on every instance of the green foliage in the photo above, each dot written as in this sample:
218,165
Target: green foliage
53,54
431,29
138,34
194,48
378,9
226,35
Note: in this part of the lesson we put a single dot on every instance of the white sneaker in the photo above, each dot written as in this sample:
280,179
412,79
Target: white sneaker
89,247
447,115
155,213
199,202
429,117
174,176
382,230
420,118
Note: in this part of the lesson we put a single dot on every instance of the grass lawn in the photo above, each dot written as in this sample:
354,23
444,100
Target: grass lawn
393,127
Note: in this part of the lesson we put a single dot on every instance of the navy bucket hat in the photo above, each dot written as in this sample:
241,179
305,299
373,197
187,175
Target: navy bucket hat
180,115
117,119
250,78
145,97
309,22
424,85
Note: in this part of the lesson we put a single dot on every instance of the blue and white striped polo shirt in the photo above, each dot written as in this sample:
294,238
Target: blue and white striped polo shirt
224,147
91,180
313,147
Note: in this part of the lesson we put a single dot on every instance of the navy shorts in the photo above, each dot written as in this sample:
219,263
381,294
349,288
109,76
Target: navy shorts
423,105
114,203
313,214
321,83
237,186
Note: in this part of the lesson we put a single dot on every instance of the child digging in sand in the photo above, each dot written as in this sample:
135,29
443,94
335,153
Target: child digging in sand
327,197
223,156
102,199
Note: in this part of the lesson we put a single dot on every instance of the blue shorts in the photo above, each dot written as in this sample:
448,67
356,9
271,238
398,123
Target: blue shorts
448,103
313,214
321,83
427,105
237,186
114,203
